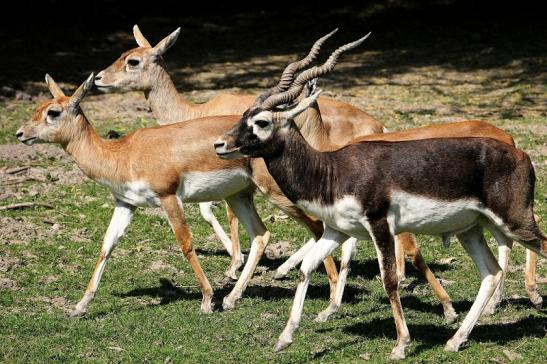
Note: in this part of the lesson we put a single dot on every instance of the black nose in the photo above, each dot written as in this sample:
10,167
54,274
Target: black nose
19,134
98,77
218,144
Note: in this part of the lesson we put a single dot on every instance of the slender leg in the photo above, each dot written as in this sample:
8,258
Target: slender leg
234,229
323,248
173,208
412,251
207,214
294,259
237,258
384,243
530,279
491,273
400,255
348,251
504,250
118,225
245,211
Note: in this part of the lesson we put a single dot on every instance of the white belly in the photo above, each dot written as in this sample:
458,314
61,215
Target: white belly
344,215
212,186
137,193
423,215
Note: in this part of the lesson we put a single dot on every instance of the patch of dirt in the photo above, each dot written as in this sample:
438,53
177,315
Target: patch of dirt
6,283
40,169
54,302
159,265
8,263
20,230
279,249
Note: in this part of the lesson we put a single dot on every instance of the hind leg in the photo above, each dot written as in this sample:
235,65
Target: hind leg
412,251
491,273
530,279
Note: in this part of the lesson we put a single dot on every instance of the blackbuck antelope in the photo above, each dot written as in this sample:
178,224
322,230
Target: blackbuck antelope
161,166
374,190
143,69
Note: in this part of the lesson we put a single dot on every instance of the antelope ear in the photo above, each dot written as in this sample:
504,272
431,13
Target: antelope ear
79,94
141,40
167,42
302,105
53,87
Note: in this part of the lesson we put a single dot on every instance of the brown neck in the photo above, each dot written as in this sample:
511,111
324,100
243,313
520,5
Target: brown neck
94,156
167,104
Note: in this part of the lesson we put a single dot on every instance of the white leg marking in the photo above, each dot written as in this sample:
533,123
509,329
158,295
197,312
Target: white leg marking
322,249
294,259
400,259
246,213
207,214
118,225
491,273
348,251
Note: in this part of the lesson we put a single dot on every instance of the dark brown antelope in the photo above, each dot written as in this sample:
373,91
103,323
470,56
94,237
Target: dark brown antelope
374,190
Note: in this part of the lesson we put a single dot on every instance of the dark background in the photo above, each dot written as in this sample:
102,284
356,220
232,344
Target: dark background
69,40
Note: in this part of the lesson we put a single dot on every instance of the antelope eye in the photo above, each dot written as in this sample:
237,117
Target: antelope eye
262,123
133,62
52,113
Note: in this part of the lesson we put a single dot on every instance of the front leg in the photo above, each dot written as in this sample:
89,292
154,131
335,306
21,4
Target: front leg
118,225
348,251
323,248
385,248
173,208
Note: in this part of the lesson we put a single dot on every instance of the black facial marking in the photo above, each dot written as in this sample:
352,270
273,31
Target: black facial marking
133,62
53,113
262,123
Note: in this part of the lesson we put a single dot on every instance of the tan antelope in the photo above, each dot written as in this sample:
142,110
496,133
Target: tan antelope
143,69
373,190
161,166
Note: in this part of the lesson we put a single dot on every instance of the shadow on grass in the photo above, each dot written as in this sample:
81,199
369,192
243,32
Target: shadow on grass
431,335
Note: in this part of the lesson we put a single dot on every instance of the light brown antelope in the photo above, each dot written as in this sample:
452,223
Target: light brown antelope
374,190
143,69
161,166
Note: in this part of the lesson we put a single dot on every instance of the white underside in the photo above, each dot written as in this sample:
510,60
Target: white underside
193,187
407,213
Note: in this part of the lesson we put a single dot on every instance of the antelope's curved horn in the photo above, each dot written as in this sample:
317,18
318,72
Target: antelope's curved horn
288,74
294,91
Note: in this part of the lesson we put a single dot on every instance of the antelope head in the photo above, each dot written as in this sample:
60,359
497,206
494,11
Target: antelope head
260,131
56,120
137,69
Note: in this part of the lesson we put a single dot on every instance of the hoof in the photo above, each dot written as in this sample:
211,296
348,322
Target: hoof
322,317
77,313
281,345
231,273
228,304
452,346
397,354
207,305
489,310
450,315
536,299
280,275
